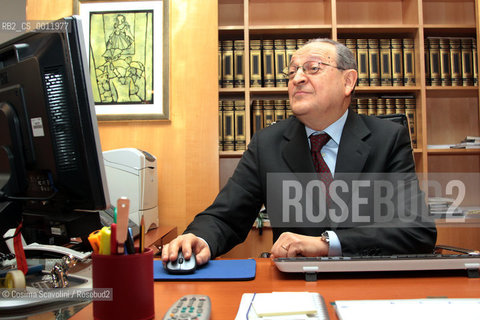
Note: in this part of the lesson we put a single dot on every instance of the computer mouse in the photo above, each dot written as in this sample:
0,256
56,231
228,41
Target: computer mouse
181,265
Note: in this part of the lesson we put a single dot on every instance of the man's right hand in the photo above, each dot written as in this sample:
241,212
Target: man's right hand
188,243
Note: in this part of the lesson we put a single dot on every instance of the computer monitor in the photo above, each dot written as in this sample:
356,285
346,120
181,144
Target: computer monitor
51,166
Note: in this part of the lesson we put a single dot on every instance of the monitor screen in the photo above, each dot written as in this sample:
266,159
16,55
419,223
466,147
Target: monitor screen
51,165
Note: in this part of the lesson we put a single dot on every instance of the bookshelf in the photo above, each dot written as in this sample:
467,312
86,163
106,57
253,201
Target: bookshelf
444,114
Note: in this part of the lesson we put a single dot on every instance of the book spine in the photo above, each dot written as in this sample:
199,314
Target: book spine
381,106
220,53
353,105
412,121
399,105
397,62
279,110
220,125
371,106
456,63
428,79
385,63
268,64
362,56
239,74
362,106
288,109
240,136
257,115
408,62
301,43
373,62
475,64
291,47
445,75
228,126
389,106
467,62
255,63
352,45
268,112
434,50
227,67
280,62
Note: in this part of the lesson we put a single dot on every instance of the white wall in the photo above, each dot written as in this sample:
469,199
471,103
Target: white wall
12,13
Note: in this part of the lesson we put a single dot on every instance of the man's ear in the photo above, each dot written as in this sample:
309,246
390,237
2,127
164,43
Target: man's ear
350,80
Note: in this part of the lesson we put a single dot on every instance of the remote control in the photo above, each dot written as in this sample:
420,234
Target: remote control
190,307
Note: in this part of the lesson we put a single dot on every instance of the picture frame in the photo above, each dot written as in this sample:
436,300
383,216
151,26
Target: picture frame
128,58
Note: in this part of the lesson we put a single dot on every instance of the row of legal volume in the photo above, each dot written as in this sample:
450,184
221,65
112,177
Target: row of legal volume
232,116
381,62
451,61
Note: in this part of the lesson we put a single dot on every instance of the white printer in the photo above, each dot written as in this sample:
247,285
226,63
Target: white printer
132,173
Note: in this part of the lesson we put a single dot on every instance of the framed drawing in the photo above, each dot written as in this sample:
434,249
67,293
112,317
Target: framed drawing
128,57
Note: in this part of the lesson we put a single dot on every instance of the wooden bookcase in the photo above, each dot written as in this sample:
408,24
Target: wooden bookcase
444,115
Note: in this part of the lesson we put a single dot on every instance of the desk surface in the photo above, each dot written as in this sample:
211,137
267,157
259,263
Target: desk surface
226,295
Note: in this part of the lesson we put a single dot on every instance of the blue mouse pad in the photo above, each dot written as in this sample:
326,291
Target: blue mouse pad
244,269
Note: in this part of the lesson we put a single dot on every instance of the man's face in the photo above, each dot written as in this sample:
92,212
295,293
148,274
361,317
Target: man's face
321,95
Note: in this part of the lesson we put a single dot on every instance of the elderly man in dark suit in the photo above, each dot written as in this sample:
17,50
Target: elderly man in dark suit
322,76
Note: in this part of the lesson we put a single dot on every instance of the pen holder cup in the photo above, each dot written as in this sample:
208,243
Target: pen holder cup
131,279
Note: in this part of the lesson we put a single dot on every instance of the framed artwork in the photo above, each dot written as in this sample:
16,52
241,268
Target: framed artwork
127,45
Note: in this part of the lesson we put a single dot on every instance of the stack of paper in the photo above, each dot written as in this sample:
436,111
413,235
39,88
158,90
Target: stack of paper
282,306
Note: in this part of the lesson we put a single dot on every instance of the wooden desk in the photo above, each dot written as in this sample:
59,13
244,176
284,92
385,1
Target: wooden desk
226,295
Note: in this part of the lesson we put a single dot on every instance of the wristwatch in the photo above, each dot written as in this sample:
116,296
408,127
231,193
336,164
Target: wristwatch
325,238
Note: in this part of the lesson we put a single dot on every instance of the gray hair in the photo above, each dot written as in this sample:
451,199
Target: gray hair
345,58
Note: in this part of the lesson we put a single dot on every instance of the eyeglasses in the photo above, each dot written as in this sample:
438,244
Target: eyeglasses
309,67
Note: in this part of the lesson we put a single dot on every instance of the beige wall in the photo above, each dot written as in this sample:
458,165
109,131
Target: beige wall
186,147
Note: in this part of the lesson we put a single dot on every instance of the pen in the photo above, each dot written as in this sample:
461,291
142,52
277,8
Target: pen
105,241
113,238
123,205
129,246
142,235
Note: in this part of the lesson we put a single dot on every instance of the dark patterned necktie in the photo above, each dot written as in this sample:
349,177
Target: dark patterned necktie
317,142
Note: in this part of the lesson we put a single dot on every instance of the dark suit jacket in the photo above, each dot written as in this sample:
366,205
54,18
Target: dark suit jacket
368,145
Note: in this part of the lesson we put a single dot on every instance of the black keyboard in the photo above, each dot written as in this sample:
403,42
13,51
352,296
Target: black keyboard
417,262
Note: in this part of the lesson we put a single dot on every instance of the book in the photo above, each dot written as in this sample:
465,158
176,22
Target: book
455,62
389,106
239,65
280,62
257,115
408,62
410,112
268,64
445,74
467,61
434,53
381,108
255,63
428,79
220,52
362,105
371,106
397,62
227,63
239,131
279,110
288,109
362,61
385,62
373,62
268,113
228,126
399,105
352,45
290,48
220,125
475,65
